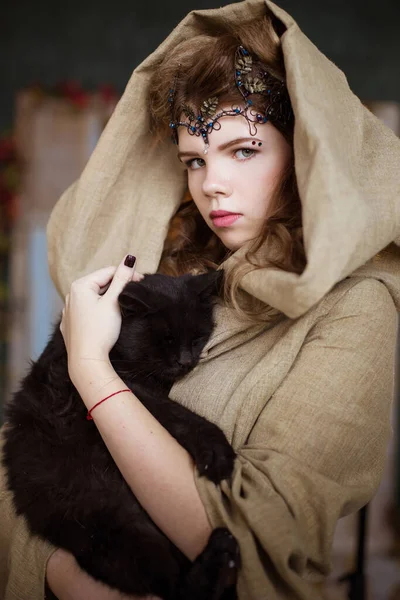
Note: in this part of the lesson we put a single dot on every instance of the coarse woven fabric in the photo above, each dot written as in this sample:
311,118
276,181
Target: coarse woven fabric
305,401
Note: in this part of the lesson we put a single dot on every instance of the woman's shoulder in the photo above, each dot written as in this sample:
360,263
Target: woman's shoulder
357,295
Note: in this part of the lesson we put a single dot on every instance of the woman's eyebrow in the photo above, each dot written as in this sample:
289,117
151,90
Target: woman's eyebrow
221,147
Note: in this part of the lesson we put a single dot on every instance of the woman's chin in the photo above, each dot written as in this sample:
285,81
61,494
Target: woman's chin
231,240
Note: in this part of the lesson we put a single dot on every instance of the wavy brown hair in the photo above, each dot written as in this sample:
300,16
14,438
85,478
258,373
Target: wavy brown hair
202,67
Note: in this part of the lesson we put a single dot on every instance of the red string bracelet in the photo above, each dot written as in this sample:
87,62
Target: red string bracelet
89,415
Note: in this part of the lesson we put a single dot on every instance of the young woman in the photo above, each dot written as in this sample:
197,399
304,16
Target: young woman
291,190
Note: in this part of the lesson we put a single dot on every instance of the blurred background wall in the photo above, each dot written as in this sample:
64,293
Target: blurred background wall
100,41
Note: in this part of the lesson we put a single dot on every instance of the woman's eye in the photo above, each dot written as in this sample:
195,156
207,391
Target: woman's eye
246,153
168,340
193,163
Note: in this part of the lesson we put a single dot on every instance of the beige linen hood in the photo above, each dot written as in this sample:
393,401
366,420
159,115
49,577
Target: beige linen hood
347,165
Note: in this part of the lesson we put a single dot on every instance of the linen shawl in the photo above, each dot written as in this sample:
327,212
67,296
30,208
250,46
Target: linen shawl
306,402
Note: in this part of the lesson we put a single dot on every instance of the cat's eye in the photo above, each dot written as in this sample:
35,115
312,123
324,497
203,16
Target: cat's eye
169,340
198,342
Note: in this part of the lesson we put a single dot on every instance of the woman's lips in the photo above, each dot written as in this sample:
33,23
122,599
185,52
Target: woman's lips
224,219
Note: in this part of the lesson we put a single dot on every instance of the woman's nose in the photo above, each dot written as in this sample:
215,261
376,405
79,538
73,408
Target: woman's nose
215,184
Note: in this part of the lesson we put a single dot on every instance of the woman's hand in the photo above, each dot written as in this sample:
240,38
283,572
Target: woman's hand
91,318
68,582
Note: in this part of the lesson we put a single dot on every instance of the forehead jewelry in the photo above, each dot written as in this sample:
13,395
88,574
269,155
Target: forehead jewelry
251,79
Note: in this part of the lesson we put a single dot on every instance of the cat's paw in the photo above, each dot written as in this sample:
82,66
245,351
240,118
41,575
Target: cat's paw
214,457
222,542
213,574
222,552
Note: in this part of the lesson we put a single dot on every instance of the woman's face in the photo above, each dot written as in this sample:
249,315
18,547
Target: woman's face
232,184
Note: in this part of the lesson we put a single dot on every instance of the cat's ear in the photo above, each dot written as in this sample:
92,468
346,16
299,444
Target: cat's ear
208,284
136,299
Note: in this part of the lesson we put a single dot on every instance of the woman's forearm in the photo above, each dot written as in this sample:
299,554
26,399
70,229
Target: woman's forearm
158,470
63,576
67,581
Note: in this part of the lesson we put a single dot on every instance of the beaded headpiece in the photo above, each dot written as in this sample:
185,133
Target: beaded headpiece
250,78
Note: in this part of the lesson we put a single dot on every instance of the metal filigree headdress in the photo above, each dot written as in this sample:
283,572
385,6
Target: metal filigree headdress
251,78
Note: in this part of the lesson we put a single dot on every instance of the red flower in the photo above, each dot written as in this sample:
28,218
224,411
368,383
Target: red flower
69,88
108,93
80,99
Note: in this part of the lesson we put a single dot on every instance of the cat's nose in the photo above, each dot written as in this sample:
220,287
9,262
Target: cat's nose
185,359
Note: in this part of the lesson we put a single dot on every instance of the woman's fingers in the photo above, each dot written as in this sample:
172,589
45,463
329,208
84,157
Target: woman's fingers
123,274
116,278
98,279
137,276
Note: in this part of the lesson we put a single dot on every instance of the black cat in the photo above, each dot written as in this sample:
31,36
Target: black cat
63,478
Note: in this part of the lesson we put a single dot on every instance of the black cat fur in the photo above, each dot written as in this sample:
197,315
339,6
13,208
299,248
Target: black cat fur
63,478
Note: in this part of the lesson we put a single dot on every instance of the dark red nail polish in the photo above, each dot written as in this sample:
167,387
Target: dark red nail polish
130,260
